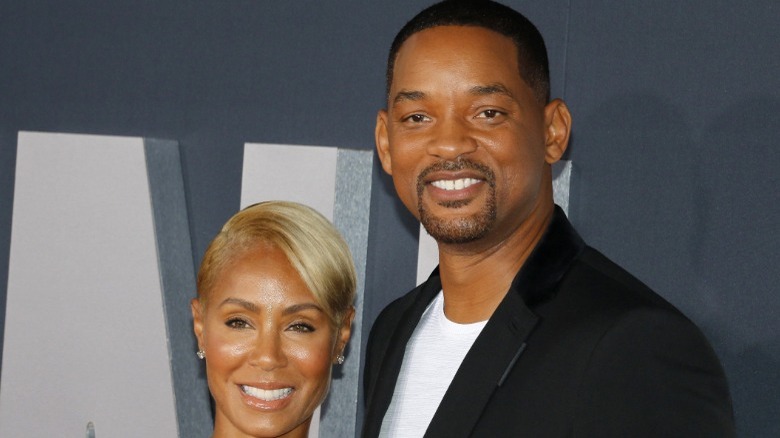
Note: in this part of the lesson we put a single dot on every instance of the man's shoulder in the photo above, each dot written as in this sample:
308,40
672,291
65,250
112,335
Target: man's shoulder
595,295
596,277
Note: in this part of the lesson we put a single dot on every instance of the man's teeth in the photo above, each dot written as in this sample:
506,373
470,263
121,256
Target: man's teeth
266,394
454,184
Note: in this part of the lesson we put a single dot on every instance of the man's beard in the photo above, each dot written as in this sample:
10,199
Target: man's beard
463,229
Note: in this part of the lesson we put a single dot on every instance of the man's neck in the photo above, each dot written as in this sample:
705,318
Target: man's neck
476,278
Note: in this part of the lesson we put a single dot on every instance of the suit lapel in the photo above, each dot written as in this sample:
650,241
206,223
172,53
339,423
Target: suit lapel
503,340
492,356
394,356
496,349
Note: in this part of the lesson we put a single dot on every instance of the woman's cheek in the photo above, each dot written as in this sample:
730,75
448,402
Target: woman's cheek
228,346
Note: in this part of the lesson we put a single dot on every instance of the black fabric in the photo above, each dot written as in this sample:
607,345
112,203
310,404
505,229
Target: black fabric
601,355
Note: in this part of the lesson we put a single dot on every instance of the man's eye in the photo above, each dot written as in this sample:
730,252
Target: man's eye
417,118
301,327
490,114
237,323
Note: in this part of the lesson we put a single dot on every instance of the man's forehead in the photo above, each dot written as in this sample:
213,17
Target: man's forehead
476,56
444,33
456,43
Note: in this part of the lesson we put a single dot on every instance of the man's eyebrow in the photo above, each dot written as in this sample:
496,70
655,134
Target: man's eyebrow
483,90
408,95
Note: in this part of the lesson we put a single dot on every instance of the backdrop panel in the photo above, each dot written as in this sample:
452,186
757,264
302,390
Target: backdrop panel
337,183
85,334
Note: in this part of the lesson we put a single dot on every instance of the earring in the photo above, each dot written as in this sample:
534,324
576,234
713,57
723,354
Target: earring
201,354
340,359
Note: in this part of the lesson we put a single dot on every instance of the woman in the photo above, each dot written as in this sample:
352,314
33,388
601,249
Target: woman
273,314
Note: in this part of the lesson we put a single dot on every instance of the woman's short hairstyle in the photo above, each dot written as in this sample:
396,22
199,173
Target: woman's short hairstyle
311,243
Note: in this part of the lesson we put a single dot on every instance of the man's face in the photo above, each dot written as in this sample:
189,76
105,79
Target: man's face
464,137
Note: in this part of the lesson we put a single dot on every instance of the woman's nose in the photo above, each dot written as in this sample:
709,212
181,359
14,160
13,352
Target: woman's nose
268,352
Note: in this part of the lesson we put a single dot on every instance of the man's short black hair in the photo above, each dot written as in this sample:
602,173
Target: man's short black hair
531,51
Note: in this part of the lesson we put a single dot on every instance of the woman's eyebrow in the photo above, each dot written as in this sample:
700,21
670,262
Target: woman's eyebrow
252,307
295,308
248,305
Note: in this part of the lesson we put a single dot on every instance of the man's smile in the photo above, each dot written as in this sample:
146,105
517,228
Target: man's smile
456,184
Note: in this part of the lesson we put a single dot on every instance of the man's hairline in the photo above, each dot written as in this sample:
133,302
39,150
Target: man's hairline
389,86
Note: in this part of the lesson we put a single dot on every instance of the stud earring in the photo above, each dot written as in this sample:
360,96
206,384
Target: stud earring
201,354
340,359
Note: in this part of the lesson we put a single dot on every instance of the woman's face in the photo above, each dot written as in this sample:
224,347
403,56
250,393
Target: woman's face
269,346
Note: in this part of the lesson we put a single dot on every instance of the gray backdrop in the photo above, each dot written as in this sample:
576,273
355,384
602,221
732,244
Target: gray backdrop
675,103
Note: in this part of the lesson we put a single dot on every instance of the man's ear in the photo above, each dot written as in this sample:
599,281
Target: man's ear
557,119
197,321
383,142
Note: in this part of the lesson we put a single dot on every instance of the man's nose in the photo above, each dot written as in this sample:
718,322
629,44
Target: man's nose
450,139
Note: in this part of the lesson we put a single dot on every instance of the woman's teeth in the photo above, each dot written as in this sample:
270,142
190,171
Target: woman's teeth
266,394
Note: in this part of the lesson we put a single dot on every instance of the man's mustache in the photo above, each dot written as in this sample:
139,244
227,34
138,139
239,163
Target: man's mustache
455,165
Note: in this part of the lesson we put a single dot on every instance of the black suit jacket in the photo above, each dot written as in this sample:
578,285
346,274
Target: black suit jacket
577,348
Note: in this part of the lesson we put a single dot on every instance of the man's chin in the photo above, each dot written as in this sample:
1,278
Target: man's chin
458,221
455,231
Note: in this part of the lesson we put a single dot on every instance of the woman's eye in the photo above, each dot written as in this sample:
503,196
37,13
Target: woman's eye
237,323
301,327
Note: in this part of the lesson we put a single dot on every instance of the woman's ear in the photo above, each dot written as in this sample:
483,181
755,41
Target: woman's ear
197,321
344,331
557,119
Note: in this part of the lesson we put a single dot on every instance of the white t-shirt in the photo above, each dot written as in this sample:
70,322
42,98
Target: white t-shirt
433,355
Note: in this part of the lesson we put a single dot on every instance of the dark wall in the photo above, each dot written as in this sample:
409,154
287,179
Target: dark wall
675,106
676,170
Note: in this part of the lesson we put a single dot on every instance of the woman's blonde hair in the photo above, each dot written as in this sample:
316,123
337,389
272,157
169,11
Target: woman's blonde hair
311,243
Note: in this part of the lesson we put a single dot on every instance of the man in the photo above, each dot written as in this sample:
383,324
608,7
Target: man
523,330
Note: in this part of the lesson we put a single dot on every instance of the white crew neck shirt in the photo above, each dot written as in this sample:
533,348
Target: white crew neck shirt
433,355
